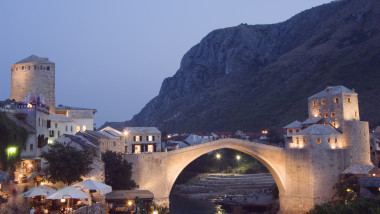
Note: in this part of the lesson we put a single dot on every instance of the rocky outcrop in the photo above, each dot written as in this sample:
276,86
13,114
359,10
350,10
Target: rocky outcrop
253,77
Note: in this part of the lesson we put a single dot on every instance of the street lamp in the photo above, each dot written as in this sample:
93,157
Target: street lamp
218,156
238,157
11,151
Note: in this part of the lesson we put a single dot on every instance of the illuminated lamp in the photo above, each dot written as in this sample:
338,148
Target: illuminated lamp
11,151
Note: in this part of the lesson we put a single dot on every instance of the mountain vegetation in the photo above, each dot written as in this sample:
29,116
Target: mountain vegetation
253,77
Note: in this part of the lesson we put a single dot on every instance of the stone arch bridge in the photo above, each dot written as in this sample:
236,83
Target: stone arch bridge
294,171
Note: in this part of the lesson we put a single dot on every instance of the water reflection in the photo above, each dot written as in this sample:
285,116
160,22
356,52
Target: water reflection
180,205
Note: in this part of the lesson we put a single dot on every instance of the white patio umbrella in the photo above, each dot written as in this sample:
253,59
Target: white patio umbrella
68,192
94,185
38,191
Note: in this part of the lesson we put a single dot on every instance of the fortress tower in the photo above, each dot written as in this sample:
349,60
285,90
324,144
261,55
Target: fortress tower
35,75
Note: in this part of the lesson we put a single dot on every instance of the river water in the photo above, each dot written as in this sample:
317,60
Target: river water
180,205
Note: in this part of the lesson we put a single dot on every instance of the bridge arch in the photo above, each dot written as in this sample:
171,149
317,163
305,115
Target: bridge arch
273,158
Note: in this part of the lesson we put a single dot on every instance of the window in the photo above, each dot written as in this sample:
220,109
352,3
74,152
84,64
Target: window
336,140
66,128
320,114
71,128
304,141
48,124
39,121
48,68
319,140
326,115
332,115
334,124
356,114
150,138
56,125
22,68
297,130
126,149
150,148
84,128
336,100
297,141
51,133
114,144
35,67
323,102
290,132
31,147
314,103
328,140
137,149
137,138
349,99
78,128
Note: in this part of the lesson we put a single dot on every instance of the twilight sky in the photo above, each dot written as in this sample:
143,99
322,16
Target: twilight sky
114,55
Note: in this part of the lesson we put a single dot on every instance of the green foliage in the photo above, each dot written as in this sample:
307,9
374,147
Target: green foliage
66,164
347,188
275,137
357,205
118,171
11,135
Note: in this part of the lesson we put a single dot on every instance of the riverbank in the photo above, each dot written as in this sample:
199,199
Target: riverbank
232,191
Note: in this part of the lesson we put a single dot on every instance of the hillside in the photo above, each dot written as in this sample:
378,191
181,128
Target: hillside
252,77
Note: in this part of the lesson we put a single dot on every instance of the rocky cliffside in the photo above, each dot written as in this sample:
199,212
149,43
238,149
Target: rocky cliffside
254,77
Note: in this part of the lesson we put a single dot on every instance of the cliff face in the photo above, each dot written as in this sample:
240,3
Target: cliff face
254,77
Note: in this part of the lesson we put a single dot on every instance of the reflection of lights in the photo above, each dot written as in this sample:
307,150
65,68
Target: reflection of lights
63,200
218,156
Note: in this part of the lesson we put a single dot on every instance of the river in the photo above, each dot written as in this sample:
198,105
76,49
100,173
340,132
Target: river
181,205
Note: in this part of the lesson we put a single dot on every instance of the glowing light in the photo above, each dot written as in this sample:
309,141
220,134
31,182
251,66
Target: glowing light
125,133
264,131
50,141
29,105
11,151
218,156
63,200
130,203
238,157
169,136
349,190
42,183
373,175
30,165
155,212
20,176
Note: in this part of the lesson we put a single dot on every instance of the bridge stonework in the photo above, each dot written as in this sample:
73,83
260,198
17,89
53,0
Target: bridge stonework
305,177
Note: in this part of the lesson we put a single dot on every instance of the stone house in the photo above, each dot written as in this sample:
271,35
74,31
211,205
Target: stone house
105,141
199,138
83,117
375,146
142,139
60,124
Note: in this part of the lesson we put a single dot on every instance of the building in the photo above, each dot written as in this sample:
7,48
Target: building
199,138
34,75
375,146
106,141
83,117
142,139
332,141
59,125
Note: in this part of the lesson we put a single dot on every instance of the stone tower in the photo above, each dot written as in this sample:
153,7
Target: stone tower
34,75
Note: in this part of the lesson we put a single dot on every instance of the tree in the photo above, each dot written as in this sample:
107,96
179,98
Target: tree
66,164
118,171
11,136
274,136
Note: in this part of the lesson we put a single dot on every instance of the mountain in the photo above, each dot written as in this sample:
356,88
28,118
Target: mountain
252,77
